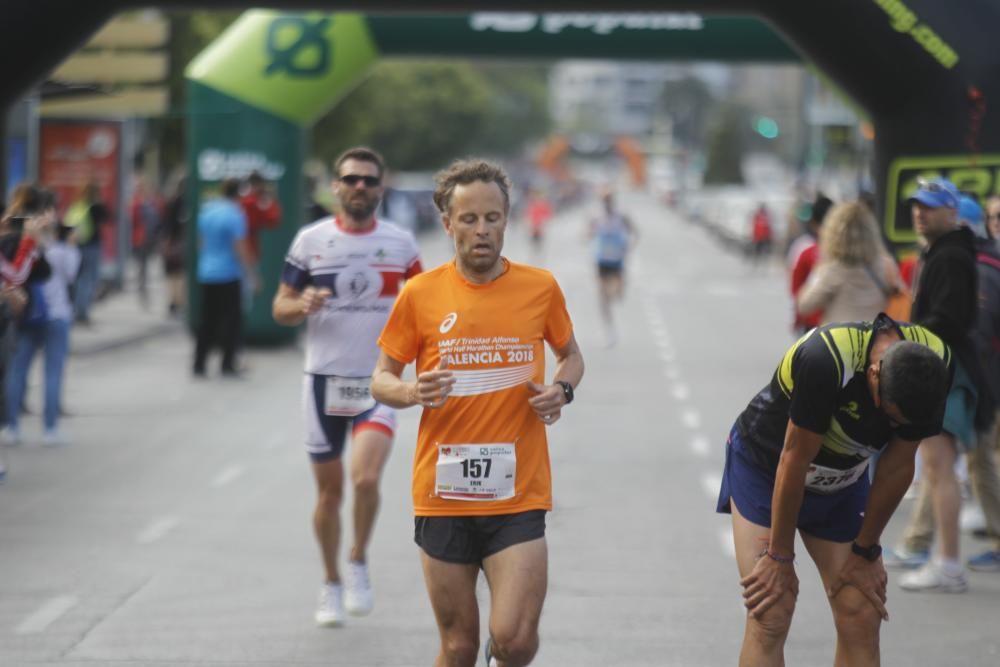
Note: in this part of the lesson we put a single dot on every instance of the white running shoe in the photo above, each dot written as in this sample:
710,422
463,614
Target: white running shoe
54,438
933,578
330,612
10,438
358,597
972,518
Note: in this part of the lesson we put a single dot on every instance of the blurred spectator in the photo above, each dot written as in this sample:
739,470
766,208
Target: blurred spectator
313,209
175,222
262,211
993,217
945,302
538,212
855,275
224,262
761,235
146,213
87,215
45,327
24,226
802,257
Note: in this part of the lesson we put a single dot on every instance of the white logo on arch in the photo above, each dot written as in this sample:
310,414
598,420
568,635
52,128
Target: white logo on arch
448,322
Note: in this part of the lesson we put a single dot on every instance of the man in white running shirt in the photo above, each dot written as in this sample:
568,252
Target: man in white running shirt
341,277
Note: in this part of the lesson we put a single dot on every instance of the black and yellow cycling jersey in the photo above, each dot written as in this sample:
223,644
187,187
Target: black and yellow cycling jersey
820,385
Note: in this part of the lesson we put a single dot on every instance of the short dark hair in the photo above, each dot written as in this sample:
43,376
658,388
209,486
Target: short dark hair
820,207
463,172
362,154
916,379
255,178
231,188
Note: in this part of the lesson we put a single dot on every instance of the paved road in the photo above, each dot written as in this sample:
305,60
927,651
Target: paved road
175,529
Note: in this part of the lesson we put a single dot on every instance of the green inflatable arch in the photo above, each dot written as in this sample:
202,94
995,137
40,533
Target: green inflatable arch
254,92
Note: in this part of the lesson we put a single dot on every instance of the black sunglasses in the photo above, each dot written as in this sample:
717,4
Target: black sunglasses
353,179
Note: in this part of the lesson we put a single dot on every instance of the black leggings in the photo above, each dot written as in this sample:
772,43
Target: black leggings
221,318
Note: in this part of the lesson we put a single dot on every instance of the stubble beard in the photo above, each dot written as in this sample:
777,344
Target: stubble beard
360,211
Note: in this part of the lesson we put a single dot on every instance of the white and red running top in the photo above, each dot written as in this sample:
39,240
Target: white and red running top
364,270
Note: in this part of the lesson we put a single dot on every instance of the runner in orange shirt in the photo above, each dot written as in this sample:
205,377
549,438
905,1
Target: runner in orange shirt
476,329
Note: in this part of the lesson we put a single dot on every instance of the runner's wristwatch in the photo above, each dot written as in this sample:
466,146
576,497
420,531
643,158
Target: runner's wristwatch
870,554
567,390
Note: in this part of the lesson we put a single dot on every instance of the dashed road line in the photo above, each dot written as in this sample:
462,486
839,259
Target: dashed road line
46,615
680,392
157,529
691,418
700,445
227,475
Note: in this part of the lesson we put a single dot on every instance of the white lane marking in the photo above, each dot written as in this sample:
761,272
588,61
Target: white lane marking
680,392
667,354
157,529
691,418
710,483
726,541
276,441
671,372
227,475
46,615
727,291
700,445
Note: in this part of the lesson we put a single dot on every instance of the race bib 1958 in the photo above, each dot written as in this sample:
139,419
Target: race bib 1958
348,396
476,472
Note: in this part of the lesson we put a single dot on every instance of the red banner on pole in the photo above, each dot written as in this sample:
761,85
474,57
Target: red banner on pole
75,153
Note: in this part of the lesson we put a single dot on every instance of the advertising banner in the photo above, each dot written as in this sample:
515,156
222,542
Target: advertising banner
74,153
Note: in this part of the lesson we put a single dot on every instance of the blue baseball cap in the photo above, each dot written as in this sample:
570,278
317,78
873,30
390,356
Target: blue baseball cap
970,214
936,193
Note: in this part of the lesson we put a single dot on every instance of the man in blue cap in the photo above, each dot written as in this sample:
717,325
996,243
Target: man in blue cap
944,301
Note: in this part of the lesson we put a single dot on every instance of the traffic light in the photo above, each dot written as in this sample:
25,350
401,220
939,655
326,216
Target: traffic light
766,127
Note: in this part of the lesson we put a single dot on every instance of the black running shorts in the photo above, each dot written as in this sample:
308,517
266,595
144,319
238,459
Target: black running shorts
470,539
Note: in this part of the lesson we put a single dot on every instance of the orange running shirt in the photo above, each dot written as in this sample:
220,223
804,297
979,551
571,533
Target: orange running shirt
493,337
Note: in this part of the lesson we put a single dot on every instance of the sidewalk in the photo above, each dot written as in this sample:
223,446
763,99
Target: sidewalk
119,319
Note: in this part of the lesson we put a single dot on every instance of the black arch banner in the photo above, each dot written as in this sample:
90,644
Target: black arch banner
926,70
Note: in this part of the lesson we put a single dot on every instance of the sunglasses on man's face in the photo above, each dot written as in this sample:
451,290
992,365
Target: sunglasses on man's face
353,179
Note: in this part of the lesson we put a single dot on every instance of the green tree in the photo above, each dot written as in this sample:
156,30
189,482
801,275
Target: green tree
418,115
518,112
190,34
423,114
687,102
726,146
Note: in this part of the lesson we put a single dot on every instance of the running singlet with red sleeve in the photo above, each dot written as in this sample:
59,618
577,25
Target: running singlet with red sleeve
364,271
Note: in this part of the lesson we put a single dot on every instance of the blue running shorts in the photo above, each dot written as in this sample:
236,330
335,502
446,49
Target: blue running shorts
835,517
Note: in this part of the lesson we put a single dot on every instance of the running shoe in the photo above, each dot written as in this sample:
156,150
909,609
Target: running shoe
330,612
933,578
972,518
358,597
902,558
10,438
988,561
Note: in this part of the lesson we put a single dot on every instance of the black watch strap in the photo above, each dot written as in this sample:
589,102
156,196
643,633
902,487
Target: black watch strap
870,554
567,390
